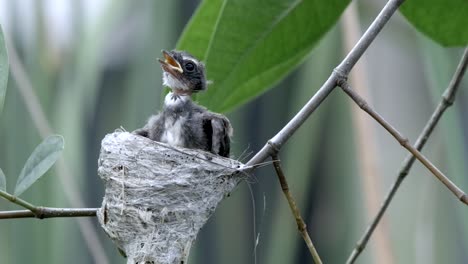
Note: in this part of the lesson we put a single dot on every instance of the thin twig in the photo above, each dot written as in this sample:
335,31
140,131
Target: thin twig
41,212
447,100
301,225
49,212
404,142
275,144
18,201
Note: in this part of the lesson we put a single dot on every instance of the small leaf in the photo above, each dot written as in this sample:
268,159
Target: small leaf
3,70
445,21
2,181
40,161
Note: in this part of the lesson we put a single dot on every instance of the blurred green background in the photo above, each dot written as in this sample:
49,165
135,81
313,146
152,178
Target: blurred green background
93,67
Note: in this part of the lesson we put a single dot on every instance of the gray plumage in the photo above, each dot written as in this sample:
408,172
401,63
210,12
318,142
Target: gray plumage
182,122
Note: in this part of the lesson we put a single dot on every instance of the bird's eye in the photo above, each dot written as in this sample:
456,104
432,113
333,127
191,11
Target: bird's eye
189,66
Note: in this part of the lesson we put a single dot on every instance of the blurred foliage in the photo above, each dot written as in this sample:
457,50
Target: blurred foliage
3,70
2,181
445,21
100,73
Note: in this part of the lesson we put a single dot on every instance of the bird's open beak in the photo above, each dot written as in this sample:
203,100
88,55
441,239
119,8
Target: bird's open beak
170,65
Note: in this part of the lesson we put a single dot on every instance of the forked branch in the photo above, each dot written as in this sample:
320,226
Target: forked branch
403,141
275,144
447,100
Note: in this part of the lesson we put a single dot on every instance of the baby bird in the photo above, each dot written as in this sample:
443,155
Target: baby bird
182,122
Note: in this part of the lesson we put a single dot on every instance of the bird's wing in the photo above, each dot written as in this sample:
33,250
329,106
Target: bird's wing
148,129
218,132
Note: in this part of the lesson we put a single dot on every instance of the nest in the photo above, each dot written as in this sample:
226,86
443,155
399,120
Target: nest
157,197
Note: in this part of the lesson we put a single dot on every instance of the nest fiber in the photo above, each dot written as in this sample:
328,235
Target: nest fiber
158,197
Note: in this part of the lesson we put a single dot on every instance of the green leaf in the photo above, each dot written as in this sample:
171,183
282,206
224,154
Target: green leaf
2,181
40,161
248,46
444,21
3,70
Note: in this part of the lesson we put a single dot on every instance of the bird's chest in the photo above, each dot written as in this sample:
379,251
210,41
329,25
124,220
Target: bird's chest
174,131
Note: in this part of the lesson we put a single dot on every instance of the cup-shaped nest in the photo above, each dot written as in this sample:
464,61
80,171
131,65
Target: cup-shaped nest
157,197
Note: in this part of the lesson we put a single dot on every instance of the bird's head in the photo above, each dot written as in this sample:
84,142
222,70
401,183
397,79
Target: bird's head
182,72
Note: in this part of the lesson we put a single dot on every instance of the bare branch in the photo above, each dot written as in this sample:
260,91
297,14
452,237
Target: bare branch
301,225
49,212
447,100
404,142
41,212
341,71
